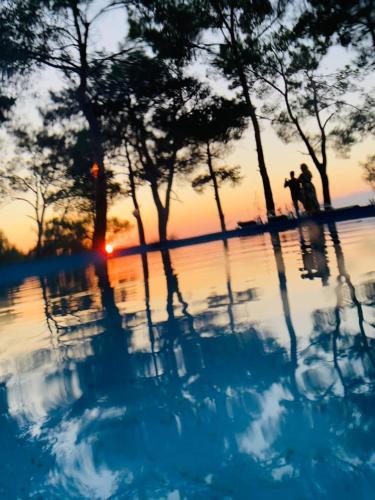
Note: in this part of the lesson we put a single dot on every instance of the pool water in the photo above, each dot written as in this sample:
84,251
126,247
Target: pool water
242,369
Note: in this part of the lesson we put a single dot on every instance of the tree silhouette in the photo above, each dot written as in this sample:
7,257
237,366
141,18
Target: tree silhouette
369,170
348,23
8,252
64,40
34,177
15,36
177,29
70,144
323,25
152,122
218,123
313,103
133,193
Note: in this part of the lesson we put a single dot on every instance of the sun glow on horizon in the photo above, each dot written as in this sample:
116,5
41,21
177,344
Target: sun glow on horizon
109,248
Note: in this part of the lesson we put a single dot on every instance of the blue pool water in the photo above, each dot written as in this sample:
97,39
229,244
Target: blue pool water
243,370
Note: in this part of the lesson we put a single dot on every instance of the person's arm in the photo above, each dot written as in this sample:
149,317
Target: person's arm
286,183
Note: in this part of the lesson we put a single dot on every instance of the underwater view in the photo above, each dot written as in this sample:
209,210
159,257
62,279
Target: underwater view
242,368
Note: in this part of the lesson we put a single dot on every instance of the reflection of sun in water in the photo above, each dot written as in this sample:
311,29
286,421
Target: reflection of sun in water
109,248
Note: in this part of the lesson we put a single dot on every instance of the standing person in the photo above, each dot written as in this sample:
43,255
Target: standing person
310,200
295,190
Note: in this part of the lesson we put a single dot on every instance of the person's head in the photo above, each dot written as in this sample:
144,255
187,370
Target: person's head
292,174
304,167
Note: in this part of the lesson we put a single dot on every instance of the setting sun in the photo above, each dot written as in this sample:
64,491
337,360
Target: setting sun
109,248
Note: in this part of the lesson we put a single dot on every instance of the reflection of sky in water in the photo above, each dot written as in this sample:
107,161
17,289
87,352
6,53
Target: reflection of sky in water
243,370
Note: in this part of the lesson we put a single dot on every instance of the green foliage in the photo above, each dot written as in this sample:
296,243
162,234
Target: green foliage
17,22
69,235
340,21
117,226
6,104
315,103
15,35
35,177
72,145
369,170
35,169
154,119
66,236
171,27
218,120
223,175
355,124
215,124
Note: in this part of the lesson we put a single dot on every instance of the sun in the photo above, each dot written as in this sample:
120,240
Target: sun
109,248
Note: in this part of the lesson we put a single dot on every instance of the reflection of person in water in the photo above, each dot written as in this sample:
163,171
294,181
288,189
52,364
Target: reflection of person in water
314,254
310,200
295,190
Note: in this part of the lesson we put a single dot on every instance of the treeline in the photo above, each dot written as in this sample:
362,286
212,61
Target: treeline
143,110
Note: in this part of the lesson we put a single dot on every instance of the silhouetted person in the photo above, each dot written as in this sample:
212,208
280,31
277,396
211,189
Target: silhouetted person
295,190
309,199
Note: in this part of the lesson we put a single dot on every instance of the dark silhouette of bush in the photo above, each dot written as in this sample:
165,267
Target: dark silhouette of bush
8,252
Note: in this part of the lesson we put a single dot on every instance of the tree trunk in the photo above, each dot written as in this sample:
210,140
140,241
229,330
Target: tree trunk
162,224
216,189
101,208
40,217
141,230
38,247
133,192
101,203
270,205
321,165
163,213
325,185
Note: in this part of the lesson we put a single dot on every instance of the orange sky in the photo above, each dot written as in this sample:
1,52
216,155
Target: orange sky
196,213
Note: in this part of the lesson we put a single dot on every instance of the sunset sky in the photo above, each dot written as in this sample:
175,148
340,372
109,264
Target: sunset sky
193,213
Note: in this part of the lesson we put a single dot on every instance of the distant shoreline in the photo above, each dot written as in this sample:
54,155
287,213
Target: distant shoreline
11,273
324,217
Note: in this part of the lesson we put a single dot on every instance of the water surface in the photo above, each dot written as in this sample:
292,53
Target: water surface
243,369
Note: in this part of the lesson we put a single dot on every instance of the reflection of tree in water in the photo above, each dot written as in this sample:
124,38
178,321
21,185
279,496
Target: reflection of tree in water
51,322
8,295
352,349
339,372
228,301
277,250
68,302
367,290
203,409
144,420
312,424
